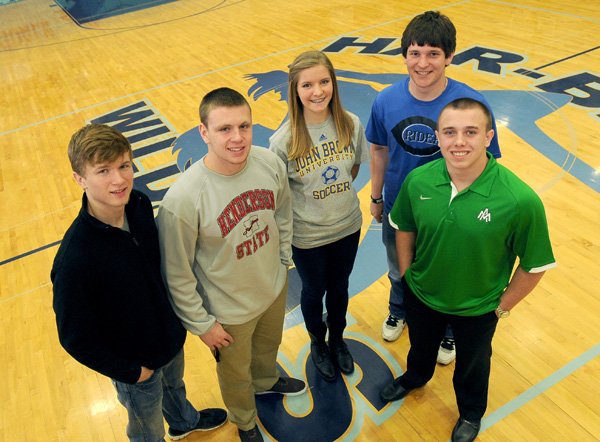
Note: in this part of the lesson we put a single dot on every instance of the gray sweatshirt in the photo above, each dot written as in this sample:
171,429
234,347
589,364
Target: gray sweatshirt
226,241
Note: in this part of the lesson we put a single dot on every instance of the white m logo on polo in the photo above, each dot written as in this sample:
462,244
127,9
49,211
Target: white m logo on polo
485,215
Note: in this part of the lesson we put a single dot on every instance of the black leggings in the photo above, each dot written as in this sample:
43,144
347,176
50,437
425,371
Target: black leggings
325,271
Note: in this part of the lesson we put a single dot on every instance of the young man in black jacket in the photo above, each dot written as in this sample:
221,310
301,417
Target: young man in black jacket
112,310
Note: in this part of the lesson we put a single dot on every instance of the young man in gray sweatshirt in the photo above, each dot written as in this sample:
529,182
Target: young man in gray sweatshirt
226,228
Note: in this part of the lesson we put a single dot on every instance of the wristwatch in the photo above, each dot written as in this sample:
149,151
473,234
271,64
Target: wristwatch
501,314
377,200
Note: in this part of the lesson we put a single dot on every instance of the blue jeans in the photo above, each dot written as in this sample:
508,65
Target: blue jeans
163,394
324,272
396,293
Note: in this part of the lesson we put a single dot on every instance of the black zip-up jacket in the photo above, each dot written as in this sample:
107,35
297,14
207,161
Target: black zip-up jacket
112,309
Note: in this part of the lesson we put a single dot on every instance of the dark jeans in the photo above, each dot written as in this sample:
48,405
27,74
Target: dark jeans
473,338
325,271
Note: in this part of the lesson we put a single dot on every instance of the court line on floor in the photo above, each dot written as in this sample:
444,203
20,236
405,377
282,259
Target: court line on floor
221,69
113,31
567,58
28,292
549,11
31,252
540,388
194,77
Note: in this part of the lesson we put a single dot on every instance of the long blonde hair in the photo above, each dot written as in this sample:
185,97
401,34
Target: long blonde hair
300,142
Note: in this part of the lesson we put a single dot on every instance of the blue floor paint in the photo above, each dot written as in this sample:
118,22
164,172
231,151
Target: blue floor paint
91,10
331,410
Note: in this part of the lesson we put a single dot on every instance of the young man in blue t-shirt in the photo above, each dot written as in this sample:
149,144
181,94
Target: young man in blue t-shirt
401,131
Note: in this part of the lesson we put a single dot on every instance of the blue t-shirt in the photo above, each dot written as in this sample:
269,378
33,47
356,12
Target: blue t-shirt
407,127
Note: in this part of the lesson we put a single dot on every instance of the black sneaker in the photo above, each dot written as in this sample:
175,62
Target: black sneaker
286,386
210,418
252,435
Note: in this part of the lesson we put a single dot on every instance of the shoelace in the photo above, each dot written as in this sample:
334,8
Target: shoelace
392,321
448,343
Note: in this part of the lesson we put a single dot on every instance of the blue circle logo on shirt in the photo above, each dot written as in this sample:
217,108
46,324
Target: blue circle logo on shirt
330,175
416,135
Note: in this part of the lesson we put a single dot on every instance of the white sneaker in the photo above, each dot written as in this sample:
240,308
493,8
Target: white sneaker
392,328
447,352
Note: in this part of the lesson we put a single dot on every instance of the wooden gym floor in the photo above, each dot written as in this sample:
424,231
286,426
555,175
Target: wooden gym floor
57,75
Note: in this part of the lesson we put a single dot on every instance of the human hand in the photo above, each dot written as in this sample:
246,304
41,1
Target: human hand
377,211
145,374
217,337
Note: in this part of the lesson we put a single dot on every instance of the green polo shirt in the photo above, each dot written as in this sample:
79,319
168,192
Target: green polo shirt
466,246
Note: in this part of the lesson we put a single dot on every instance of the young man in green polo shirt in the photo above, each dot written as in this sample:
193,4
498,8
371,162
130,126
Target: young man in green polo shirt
461,222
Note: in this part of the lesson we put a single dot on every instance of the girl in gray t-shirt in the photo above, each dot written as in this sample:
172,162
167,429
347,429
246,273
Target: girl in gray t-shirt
322,146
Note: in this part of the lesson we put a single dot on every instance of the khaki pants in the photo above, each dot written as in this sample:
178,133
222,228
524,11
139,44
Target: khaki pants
248,365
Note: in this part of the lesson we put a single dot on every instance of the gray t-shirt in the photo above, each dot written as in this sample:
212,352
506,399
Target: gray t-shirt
324,202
